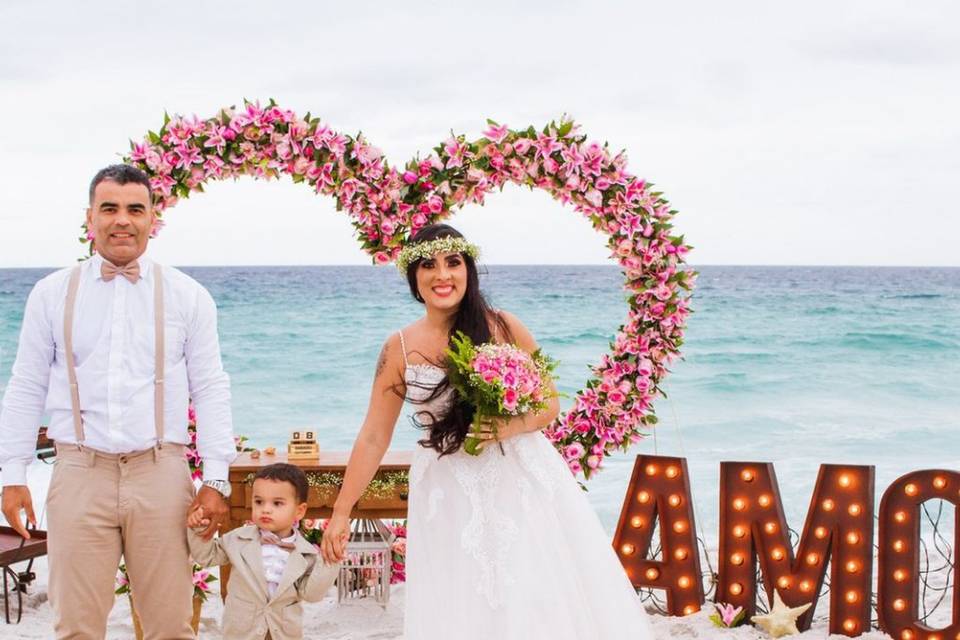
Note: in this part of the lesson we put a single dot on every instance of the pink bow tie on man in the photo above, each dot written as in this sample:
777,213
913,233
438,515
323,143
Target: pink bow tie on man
131,271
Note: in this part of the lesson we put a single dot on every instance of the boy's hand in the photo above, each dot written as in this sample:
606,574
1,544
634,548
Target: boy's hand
195,518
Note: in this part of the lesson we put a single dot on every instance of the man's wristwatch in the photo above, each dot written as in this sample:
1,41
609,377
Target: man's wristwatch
220,486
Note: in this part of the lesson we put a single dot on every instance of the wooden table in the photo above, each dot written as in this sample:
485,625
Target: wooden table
319,502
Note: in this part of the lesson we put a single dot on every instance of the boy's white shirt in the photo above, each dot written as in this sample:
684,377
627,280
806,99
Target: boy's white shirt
274,562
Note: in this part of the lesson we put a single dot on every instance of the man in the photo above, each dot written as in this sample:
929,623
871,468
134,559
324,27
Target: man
113,350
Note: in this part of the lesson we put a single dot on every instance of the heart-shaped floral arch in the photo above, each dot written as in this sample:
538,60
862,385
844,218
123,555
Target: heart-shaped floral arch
387,205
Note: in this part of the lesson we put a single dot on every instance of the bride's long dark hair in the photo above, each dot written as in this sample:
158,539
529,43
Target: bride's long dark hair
446,431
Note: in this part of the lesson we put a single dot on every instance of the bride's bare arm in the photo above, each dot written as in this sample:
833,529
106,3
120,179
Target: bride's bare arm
372,442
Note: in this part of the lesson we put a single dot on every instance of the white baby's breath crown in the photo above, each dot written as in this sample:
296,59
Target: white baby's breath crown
422,250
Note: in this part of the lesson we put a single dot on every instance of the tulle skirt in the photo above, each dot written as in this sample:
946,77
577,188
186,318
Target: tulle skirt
504,546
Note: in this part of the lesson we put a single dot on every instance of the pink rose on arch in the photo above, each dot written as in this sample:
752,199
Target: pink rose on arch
616,397
594,197
522,145
381,258
476,175
368,154
435,204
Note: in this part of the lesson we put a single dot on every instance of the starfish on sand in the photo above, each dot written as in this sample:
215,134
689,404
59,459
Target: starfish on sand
782,620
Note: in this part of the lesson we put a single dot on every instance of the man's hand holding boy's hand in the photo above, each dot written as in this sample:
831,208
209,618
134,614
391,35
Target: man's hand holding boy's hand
195,518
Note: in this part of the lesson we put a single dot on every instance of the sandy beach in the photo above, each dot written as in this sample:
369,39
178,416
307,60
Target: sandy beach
360,621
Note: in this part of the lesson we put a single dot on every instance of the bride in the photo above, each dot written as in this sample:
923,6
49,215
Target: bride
500,545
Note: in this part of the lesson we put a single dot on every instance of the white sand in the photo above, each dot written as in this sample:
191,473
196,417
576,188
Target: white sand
361,620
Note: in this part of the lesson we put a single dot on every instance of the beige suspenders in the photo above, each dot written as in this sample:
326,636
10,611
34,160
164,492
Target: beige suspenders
158,324
158,351
68,347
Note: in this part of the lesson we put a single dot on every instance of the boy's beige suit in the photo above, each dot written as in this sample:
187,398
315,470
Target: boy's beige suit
249,612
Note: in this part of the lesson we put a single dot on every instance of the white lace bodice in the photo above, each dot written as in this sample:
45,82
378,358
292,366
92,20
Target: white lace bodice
421,379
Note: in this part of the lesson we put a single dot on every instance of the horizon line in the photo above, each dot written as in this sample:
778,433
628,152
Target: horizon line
571,264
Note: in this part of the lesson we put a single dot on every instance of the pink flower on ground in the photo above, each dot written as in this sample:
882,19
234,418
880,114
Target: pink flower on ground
727,613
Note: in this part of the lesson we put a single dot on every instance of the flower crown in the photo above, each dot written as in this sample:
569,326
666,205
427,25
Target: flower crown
422,250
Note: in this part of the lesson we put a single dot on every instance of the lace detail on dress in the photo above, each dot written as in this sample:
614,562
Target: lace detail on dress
524,448
488,535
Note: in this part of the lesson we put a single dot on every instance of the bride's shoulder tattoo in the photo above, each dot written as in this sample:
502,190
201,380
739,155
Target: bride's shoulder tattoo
382,360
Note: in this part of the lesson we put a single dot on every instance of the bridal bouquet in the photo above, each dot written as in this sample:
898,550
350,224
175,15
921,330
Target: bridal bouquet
499,380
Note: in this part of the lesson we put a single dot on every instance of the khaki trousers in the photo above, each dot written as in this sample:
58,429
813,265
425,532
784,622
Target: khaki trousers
101,506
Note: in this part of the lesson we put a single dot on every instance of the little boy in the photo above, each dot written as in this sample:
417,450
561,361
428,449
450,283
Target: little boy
273,567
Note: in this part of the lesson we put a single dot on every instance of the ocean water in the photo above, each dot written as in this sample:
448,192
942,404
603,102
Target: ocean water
791,365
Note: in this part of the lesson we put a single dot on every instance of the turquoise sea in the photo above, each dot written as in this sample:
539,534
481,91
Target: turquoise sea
792,365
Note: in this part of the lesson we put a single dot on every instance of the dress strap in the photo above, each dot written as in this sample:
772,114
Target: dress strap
403,348
496,325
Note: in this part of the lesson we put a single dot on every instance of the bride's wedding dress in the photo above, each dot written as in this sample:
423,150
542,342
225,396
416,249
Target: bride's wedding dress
505,546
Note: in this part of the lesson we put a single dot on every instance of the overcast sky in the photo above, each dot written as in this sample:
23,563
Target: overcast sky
784,133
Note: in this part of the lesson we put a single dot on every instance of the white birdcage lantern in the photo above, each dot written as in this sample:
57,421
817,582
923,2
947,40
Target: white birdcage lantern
366,569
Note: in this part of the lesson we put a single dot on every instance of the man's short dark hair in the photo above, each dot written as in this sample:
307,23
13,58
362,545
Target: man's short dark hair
283,472
121,174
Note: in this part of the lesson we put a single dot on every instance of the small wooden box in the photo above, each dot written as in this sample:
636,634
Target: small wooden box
303,446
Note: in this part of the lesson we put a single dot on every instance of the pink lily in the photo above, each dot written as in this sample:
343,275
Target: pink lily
496,133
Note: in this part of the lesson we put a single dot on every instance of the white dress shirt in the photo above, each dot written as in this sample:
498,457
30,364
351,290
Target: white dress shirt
113,345
274,563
